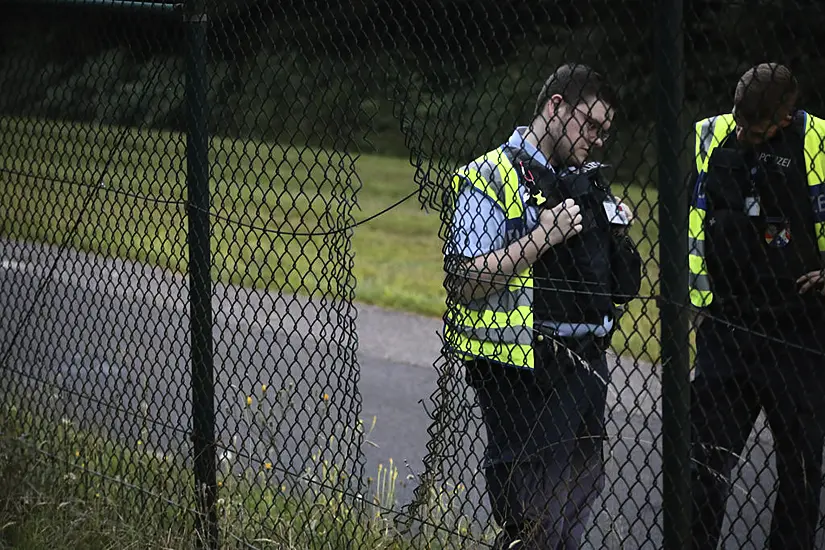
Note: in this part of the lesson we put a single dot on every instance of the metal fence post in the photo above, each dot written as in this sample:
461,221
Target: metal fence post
200,284
673,208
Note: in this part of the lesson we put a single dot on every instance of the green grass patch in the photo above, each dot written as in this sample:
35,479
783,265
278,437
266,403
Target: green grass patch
67,485
396,258
66,488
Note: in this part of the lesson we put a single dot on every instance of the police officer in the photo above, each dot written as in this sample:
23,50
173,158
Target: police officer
537,262
756,258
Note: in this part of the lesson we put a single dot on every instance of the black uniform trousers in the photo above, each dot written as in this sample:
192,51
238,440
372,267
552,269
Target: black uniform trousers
738,374
544,463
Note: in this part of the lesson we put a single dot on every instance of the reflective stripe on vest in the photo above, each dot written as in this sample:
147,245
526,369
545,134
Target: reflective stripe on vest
708,134
815,165
500,326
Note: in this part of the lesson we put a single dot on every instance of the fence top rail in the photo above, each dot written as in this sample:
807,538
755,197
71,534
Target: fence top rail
147,5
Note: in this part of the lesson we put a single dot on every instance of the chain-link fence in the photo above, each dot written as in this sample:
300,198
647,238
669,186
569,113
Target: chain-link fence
293,275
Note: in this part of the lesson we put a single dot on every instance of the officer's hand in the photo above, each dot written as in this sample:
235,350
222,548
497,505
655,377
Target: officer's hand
625,209
812,280
561,222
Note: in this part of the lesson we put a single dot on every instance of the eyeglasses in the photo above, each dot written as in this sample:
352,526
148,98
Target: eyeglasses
592,126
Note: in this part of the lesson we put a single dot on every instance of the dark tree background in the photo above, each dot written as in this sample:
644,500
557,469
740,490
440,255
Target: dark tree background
447,77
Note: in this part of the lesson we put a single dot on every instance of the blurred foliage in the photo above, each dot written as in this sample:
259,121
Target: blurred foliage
444,78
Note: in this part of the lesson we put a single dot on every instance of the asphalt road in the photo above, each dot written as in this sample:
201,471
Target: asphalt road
107,346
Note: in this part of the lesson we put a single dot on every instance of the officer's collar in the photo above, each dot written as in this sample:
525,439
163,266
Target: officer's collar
517,141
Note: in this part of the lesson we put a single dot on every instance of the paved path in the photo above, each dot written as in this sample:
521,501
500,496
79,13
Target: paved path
109,341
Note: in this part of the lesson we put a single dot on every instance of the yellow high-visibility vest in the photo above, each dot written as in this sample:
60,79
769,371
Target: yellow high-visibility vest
709,133
498,327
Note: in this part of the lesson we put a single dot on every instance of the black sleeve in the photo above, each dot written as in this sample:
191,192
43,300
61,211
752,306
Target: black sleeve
694,188
626,269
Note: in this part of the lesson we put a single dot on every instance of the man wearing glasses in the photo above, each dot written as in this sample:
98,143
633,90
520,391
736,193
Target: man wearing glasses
757,234
537,261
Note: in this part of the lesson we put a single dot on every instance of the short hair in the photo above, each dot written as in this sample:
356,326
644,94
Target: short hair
763,91
574,82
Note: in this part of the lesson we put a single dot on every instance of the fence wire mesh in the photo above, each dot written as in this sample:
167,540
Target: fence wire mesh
288,275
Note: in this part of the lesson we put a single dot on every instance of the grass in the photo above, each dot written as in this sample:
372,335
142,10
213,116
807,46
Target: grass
57,488
67,486
395,258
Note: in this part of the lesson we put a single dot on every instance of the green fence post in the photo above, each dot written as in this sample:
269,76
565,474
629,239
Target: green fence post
673,208
200,263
